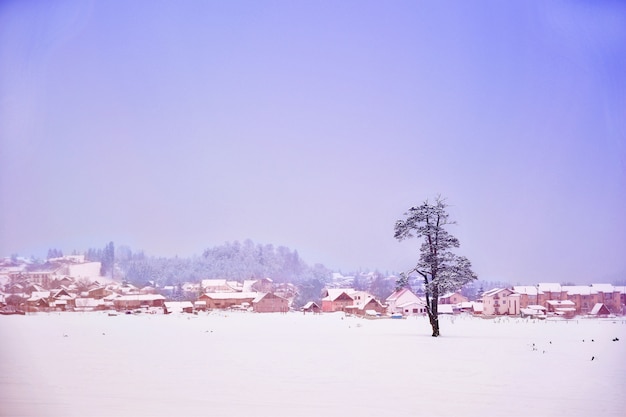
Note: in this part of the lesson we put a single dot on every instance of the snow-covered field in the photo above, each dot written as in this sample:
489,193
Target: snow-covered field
245,364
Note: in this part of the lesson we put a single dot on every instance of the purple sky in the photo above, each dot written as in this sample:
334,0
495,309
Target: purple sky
176,126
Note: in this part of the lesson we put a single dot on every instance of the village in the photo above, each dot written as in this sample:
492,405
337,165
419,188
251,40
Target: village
73,284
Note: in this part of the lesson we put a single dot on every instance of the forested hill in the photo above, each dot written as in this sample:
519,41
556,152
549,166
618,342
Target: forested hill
234,261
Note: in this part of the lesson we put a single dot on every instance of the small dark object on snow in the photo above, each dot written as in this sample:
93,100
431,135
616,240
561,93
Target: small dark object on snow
550,341
616,340
592,340
593,357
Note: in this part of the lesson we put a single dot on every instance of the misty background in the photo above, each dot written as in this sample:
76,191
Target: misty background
175,127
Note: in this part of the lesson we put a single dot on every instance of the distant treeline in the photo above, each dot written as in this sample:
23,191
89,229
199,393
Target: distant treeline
232,260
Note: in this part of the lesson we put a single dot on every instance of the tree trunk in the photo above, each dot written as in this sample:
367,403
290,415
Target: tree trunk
433,313
434,323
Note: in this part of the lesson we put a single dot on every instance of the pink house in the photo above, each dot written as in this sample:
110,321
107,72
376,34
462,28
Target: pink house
453,298
336,299
501,301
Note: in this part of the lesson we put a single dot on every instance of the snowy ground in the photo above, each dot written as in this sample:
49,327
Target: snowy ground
245,364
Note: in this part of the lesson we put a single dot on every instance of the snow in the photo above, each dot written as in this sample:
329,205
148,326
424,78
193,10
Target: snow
247,364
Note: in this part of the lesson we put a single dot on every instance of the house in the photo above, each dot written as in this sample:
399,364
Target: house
199,305
453,298
62,282
32,288
39,300
63,299
216,286
599,310
263,285
98,292
178,307
550,291
405,302
565,308
311,307
336,299
365,307
533,311
499,301
583,297
88,304
529,294
477,308
270,303
223,300
131,301
608,295
471,307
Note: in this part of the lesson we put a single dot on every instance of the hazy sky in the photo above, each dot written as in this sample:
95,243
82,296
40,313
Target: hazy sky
175,126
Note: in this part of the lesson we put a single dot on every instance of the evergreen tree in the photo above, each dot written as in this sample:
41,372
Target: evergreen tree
441,269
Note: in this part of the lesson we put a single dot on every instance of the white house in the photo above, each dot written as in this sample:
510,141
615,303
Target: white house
405,302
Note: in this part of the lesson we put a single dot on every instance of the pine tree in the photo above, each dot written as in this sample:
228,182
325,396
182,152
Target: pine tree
442,270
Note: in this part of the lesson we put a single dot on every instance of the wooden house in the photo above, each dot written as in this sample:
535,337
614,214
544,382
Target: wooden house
270,303
132,301
599,310
311,307
336,299
224,300
178,307
216,286
366,307
453,298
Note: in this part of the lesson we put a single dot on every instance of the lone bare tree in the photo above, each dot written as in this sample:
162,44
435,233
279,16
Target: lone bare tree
442,270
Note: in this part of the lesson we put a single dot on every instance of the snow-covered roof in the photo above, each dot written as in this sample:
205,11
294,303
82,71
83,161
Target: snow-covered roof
579,289
417,302
262,295
445,309
597,308
620,288
87,302
177,305
549,287
495,291
230,295
35,295
397,294
333,293
309,305
140,297
477,307
605,288
531,311
561,303
213,282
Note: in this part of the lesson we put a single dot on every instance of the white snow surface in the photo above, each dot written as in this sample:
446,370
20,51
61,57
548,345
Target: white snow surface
247,364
